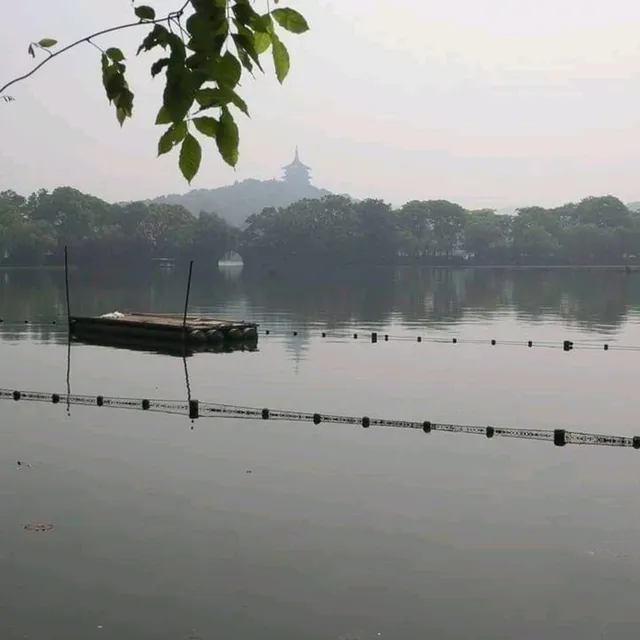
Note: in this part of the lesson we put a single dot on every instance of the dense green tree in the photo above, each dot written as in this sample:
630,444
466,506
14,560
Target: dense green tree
605,212
434,227
485,235
34,230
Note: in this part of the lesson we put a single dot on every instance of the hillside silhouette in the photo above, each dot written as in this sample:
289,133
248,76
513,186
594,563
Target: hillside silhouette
236,202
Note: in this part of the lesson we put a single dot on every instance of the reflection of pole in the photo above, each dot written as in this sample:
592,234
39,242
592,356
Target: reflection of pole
186,376
66,290
66,285
69,374
186,303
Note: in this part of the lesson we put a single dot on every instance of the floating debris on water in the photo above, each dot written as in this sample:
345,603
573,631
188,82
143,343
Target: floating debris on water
38,526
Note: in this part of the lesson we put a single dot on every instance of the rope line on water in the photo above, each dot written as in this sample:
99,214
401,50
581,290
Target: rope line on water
376,336
195,409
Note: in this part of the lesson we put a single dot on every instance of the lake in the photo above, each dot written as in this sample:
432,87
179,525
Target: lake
256,530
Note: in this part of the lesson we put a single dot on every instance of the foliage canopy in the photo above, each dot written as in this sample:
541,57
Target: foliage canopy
205,48
325,232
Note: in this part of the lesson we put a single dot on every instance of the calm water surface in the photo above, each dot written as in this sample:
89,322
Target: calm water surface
162,533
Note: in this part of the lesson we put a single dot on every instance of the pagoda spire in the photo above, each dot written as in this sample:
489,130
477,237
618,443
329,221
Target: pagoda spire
296,172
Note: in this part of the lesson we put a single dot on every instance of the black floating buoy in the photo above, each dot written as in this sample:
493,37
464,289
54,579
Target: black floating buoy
386,338
265,414
355,336
214,336
559,437
55,398
490,432
454,340
100,401
606,347
145,404
374,337
266,333
567,345
317,418
493,343
636,442
324,334
530,343
366,422
419,338
17,395
295,333
426,426
250,334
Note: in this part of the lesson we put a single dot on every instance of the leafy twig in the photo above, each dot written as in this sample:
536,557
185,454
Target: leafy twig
139,23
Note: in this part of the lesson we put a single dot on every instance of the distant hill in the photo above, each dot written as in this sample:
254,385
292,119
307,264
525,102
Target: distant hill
236,202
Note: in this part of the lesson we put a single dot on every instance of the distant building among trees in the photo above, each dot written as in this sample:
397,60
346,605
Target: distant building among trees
297,173
236,202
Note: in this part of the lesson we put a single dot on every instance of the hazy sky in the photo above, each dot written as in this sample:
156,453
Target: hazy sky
486,102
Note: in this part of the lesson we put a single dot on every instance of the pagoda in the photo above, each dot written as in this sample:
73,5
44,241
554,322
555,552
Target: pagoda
297,173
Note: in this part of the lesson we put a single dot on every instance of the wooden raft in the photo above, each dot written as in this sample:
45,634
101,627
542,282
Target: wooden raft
154,328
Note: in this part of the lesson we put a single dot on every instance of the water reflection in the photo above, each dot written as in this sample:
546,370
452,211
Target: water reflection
32,303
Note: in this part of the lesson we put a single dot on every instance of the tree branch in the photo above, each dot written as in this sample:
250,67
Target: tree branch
88,39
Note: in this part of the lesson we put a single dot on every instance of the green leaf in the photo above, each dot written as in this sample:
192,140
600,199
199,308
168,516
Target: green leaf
245,14
171,137
290,20
46,43
178,93
163,116
245,60
227,138
177,46
228,70
157,35
206,125
124,103
121,115
236,100
208,98
158,66
263,24
145,13
280,58
244,45
261,41
190,157
115,54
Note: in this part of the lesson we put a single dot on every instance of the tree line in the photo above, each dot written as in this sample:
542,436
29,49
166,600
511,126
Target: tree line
334,230
34,231
596,230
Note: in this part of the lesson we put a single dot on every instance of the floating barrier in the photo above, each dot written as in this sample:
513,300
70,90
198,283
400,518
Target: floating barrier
195,409
252,333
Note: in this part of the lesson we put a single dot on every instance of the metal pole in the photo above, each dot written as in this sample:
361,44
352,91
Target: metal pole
186,302
66,284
